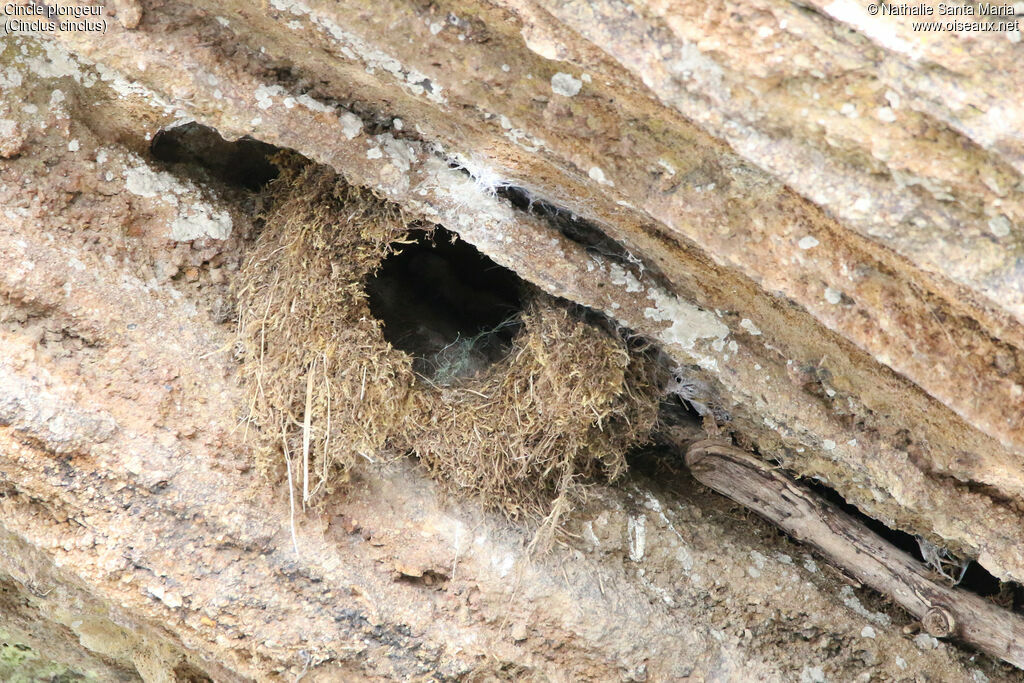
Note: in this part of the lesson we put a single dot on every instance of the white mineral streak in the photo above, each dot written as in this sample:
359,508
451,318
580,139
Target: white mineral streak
689,323
636,527
750,327
352,46
621,276
351,125
565,84
195,218
597,174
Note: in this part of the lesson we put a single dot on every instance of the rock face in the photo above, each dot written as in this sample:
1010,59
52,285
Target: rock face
816,212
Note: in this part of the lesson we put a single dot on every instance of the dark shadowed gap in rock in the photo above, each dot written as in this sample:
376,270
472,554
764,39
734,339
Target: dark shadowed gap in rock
244,162
583,232
975,579
900,539
572,226
187,673
447,305
680,425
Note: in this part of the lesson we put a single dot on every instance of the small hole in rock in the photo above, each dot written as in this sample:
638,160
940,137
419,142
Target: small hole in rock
447,305
243,163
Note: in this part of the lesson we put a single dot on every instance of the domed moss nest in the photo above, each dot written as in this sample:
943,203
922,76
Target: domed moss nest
524,429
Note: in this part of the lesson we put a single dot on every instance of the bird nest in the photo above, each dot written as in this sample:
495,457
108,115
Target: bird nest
560,406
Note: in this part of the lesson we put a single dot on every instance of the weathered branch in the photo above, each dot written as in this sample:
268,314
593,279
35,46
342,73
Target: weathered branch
944,612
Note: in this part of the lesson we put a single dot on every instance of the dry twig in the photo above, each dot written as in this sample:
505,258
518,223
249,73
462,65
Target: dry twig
944,612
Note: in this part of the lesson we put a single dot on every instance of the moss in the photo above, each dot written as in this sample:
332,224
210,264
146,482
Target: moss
19,663
323,383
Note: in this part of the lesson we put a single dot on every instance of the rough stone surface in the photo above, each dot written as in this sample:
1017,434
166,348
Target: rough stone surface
816,212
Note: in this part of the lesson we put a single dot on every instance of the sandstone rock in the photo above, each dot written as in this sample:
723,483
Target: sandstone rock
815,213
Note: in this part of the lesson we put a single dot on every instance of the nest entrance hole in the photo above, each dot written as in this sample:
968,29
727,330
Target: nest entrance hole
447,305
